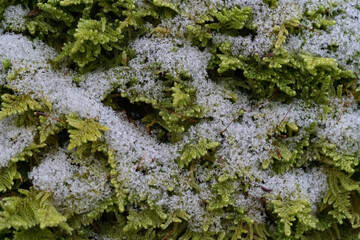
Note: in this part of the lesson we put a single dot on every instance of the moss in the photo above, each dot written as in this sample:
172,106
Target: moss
171,136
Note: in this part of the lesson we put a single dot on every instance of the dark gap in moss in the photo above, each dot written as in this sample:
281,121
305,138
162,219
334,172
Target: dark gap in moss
134,111
63,138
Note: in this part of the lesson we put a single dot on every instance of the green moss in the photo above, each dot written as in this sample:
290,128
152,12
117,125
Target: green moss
96,35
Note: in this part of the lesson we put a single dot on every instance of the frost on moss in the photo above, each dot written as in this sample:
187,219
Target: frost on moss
179,119
13,140
14,17
76,189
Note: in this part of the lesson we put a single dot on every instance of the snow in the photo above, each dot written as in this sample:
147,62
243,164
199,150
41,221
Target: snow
13,139
75,188
246,143
14,17
245,140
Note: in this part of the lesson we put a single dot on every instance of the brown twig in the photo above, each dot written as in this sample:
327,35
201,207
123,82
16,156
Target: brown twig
221,133
141,164
277,126
170,233
221,160
268,55
33,13
96,227
282,135
263,103
249,111
307,28
149,125
278,153
265,189
48,116
10,194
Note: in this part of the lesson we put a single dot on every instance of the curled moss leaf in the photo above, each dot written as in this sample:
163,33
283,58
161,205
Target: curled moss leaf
83,130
